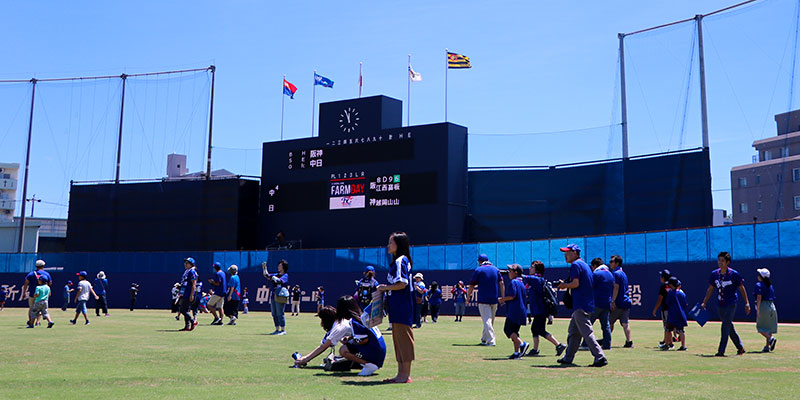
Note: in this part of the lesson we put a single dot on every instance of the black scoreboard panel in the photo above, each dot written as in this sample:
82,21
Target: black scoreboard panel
353,188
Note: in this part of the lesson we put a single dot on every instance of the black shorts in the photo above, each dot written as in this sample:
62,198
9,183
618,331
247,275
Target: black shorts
510,328
671,327
538,326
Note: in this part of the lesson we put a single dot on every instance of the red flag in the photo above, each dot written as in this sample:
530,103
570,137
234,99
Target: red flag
289,89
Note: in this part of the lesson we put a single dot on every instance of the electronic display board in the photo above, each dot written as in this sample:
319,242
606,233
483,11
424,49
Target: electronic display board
353,187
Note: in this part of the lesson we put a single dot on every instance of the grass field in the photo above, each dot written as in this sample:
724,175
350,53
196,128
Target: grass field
141,355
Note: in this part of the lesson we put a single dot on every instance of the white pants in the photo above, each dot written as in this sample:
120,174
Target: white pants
487,316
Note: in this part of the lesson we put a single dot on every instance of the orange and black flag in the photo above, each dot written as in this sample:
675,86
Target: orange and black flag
455,60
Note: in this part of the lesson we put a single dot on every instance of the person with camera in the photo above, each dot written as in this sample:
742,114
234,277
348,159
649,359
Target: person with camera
231,307
280,294
460,299
296,292
580,325
400,301
536,286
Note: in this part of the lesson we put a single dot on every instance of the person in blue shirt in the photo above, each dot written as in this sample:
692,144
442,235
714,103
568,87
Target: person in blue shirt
603,290
100,286
32,280
280,283
661,303
726,281
766,314
676,319
366,286
460,299
621,306
4,296
516,315
187,293
581,285
400,301
419,299
489,282
233,296
535,283
67,294
320,298
216,303
435,300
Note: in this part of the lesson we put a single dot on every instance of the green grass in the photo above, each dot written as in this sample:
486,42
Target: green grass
141,355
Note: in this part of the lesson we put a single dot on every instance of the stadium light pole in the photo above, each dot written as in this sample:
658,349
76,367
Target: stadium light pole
213,70
623,96
702,60
121,115
27,169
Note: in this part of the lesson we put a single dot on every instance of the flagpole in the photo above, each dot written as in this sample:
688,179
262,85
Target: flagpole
313,102
360,79
408,101
283,98
446,51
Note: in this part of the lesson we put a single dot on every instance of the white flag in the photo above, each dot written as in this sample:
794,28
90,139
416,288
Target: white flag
413,75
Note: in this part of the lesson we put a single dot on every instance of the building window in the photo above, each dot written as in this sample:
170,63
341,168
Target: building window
796,175
784,151
779,178
758,179
797,202
767,155
742,182
743,208
758,205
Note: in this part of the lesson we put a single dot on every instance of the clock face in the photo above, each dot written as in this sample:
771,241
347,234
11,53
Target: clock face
348,120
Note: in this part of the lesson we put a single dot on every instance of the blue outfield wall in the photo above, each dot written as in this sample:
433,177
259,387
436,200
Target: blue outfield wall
690,254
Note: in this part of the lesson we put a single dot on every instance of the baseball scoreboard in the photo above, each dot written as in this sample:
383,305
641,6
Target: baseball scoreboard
364,177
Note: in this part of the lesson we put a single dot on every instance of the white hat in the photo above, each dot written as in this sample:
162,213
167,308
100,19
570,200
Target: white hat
418,275
233,269
40,263
763,272
101,275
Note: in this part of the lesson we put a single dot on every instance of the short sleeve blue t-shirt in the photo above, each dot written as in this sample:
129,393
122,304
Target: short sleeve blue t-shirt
487,278
583,295
4,293
623,300
188,277
535,284
726,285
236,285
676,305
603,287
436,297
516,307
767,293
400,302
66,291
220,284
33,280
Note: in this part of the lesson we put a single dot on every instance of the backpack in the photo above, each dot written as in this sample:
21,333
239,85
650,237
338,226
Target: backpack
549,298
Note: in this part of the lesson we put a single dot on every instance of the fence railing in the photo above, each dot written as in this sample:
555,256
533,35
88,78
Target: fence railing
768,240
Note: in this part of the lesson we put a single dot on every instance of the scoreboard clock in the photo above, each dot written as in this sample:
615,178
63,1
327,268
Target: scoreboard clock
364,177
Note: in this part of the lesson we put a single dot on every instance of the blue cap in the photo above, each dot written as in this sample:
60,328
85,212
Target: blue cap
43,278
483,257
83,274
665,274
370,268
571,247
215,265
190,260
69,283
674,281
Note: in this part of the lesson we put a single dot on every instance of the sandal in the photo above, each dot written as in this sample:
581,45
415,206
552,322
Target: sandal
392,380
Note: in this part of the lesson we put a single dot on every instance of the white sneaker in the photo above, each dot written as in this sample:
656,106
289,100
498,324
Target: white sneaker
368,369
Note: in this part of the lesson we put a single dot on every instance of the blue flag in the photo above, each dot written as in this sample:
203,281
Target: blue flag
322,81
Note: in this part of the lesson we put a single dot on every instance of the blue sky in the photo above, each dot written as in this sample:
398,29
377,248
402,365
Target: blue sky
543,89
